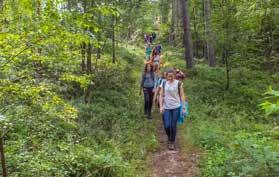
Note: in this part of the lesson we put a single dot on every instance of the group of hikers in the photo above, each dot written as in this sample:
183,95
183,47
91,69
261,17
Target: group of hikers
164,88
150,37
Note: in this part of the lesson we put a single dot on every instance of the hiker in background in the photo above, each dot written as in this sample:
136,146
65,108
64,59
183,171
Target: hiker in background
171,99
158,49
179,74
158,83
148,51
153,36
156,59
147,86
158,77
151,39
145,38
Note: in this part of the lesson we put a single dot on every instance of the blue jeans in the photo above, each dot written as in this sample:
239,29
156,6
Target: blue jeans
170,118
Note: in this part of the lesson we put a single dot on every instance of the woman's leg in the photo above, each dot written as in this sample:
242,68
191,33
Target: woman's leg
174,118
149,101
167,123
146,97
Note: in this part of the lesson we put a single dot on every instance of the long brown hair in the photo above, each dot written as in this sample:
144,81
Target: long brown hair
145,68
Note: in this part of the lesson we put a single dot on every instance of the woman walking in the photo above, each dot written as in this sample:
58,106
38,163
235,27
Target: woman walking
161,79
148,51
171,98
147,86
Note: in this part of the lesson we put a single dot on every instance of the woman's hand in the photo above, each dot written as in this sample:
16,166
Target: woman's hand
162,110
184,110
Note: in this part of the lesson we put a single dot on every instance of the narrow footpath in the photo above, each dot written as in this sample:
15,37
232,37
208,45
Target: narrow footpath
183,162
178,163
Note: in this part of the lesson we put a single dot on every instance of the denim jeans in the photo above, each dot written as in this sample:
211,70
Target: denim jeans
170,118
148,100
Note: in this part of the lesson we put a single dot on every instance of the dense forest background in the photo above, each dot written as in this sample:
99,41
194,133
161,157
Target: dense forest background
69,78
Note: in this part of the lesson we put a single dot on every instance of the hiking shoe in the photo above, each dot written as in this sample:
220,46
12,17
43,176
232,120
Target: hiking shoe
171,146
145,113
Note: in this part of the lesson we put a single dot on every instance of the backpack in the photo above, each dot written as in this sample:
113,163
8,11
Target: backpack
182,115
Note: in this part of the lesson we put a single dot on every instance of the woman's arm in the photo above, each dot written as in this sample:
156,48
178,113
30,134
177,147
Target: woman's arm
161,100
182,94
157,91
182,97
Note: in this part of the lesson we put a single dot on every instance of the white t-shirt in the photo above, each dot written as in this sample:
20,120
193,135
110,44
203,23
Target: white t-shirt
171,95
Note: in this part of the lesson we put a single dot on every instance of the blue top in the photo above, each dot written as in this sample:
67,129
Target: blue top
148,80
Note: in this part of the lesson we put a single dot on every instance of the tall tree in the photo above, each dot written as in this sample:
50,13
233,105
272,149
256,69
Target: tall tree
164,8
208,33
173,20
1,4
113,38
187,39
89,60
2,157
83,51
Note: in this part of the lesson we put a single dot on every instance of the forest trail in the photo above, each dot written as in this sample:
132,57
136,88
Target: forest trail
178,163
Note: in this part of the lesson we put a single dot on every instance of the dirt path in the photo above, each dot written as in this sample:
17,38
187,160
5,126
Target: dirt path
176,163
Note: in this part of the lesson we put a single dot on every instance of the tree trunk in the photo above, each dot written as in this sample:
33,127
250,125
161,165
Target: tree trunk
164,11
99,38
98,53
113,40
88,93
89,54
173,19
196,36
208,33
83,51
227,68
187,39
1,4
178,25
2,156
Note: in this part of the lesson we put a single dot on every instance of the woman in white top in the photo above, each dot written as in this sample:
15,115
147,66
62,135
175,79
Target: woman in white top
171,99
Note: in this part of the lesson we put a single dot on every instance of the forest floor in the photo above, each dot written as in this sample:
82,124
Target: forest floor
183,162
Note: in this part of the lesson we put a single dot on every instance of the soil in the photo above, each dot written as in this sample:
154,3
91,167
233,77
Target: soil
178,163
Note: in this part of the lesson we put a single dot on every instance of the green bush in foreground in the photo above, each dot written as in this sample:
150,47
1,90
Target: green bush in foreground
237,139
49,135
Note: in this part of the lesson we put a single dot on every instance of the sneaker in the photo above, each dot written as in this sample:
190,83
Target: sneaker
171,146
145,113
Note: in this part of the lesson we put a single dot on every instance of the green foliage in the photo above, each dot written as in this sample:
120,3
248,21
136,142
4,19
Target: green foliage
271,105
235,135
51,136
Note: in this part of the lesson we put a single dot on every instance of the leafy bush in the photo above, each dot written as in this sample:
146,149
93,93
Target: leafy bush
271,105
236,137
49,134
